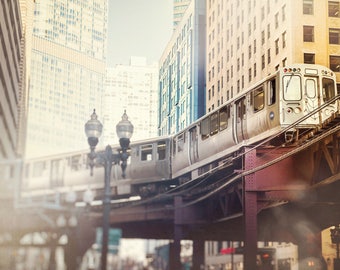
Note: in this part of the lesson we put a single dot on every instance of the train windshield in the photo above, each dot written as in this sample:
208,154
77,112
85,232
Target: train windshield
292,87
328,89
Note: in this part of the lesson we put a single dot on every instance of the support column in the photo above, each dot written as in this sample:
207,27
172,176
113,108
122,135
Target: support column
198,254
175,246
70,251
250,212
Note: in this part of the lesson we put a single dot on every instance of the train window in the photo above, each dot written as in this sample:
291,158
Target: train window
258,95
328,89
292,87
180,142
205,128
146,152
224,116
161,147
214,123
271,92
310,88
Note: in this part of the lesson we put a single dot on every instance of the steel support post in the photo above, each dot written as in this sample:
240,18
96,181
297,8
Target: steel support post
71,251
250,212
175,246
106,206
198,254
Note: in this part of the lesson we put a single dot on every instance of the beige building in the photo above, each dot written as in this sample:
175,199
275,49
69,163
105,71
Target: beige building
67,61
249,39
133,88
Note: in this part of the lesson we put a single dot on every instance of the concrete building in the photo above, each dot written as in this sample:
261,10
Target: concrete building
12,96
180,6
247,40
182,72
133,88
67,73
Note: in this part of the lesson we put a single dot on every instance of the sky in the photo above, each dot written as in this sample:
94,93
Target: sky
138,28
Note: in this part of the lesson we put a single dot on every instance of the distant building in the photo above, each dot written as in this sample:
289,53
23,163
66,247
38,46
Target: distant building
182,72
133,88
12,96
67,73
247,40
180,6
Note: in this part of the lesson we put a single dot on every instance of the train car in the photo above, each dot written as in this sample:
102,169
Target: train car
261,111
149,167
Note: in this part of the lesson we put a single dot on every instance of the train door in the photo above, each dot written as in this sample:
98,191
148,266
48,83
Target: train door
328,91
240,120
193,145
312,100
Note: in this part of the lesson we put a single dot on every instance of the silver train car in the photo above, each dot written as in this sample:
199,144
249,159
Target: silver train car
263,110
155,165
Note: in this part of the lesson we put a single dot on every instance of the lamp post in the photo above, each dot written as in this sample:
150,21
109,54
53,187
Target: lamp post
93,130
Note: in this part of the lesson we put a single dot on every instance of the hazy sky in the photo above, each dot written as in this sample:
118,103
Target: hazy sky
138,28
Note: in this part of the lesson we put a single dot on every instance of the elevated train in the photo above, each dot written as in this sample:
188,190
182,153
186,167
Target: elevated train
260,112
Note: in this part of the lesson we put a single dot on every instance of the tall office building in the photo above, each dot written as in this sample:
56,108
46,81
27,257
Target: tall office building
180,6
12,105
67,73
182,72
133,88
247,40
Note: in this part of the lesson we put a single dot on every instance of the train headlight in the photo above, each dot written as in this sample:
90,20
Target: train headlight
297,110
271,115
289,110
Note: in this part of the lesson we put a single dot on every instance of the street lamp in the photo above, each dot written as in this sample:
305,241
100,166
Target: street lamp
93,130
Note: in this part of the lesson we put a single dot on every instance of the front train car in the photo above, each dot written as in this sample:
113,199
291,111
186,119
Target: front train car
306,91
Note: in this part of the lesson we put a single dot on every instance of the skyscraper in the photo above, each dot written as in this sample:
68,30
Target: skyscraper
182,72
67,72
12,105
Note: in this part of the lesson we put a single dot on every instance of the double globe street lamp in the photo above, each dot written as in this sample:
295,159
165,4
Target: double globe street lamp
93,130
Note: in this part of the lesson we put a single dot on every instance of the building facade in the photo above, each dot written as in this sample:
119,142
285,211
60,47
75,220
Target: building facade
248,40
12,106
67,73
182,72
133,88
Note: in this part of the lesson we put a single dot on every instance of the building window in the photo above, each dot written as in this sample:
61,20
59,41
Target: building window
268,31
263,61
277,46
334,36
255,70
249,75
333,9
284,62
334,63
308,33
269,58
284,13
308,7
262,37
254,46
284,36
276,20
309,58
